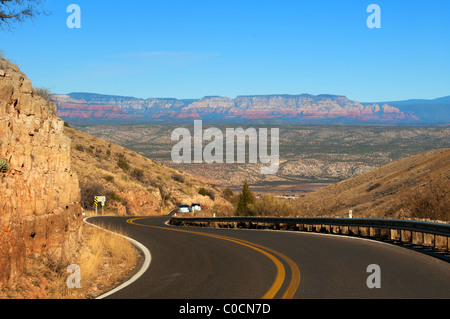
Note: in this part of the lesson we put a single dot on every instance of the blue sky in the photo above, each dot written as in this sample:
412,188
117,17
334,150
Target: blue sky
191,49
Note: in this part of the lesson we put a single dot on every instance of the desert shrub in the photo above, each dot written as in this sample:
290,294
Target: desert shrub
108,178
211,194
138,174
222,210
229,196
112,196
88,192
152,183
178,178
269,205
79,147
122,162
45,93
165,195
207,192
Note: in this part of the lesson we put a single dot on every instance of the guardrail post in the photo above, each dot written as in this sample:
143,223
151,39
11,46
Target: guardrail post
396,235
417,238
406,236
442,242
428,240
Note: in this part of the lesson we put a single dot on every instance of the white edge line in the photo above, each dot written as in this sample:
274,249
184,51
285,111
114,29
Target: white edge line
146,264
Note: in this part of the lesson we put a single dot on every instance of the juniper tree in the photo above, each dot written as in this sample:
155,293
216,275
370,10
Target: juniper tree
245,199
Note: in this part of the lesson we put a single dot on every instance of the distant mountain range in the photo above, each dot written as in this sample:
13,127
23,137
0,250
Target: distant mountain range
272,109
431,111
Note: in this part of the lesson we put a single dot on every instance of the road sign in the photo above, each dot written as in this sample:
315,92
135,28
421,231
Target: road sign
102,200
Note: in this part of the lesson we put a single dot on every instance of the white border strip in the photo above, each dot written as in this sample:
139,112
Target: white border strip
141,247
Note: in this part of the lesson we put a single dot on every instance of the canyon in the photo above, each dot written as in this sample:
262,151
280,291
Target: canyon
290,109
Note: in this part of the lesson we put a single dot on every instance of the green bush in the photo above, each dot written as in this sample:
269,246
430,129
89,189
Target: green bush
4,166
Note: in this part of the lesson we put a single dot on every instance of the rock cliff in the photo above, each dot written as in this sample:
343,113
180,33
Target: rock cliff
302,108
39,194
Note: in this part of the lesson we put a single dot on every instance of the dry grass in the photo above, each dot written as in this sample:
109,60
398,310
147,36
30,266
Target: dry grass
417,187
133,184
105,260
430,201
269,205
414,187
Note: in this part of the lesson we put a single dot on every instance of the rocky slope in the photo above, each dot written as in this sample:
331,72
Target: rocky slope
39,192
134,184
302,108
416,186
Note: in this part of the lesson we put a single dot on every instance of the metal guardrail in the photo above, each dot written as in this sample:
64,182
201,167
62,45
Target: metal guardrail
432,234
405,224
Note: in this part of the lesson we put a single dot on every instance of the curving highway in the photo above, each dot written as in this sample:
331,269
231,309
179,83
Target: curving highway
203,263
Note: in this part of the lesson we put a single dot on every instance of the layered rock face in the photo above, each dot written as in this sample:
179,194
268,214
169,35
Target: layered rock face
39,194
303,108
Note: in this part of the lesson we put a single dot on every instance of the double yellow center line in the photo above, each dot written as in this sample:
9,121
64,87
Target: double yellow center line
269,253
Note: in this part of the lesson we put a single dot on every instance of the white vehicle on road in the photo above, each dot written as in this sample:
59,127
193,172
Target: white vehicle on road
196,207
184,209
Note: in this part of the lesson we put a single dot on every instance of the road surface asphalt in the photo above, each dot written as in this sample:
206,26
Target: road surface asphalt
207,263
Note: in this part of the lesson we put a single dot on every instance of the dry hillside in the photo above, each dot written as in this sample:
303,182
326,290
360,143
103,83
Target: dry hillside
133,184
413,187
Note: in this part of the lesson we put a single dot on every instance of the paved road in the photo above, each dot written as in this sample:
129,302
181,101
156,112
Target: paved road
200,263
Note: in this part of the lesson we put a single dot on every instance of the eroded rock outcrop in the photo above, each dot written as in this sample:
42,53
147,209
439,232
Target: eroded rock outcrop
39,193
302,108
